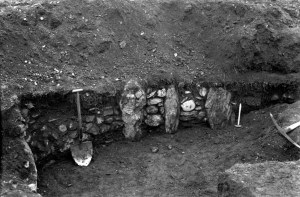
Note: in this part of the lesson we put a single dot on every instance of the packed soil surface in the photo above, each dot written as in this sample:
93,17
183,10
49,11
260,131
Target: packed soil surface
187,163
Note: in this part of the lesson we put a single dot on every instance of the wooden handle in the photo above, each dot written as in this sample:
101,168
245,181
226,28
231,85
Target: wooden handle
79,114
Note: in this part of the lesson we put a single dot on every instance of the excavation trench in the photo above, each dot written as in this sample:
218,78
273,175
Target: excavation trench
122,166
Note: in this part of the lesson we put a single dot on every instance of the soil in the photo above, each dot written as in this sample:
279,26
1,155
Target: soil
56,46
49,46
187,163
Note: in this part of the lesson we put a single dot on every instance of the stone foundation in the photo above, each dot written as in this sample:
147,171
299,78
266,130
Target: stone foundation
49,123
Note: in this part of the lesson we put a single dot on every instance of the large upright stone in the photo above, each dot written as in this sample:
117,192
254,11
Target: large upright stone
218,107
172,110
132,109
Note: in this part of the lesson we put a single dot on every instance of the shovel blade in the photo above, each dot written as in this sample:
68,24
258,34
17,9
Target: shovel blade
82,153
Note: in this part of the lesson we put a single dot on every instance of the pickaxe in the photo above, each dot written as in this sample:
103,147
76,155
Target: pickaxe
283,131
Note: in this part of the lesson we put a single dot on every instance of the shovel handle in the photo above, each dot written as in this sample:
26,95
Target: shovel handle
79,111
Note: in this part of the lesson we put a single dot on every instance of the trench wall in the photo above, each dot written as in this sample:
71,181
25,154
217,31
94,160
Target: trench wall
52,123
49,124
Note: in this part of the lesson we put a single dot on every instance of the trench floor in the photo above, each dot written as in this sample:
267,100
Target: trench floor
189,167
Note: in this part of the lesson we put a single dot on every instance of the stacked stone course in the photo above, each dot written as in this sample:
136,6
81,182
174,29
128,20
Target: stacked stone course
155,109
193,104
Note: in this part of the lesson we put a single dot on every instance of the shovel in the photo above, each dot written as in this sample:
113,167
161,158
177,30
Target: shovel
82,151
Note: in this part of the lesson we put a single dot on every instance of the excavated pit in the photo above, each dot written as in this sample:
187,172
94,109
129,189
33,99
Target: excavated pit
53,126
162,81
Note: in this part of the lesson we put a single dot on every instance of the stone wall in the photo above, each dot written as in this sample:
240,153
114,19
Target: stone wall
49,123
53,124
53,127
192,101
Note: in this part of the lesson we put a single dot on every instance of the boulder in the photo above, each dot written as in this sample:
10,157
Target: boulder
172,110
132,109
218,107
261,179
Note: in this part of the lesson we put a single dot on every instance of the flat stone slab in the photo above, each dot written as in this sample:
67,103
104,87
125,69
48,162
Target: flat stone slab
261,179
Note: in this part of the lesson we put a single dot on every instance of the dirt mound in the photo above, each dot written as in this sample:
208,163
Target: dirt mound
57,45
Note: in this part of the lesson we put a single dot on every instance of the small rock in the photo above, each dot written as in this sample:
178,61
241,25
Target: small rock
189,113
154,120
184,99
162,110
151,109
62,128
52,119
170,147
32,122
109,120
187,92
203,92
73,126
116,111
73,134
160,104
108,111
162,92
94,130
199,98
151,94
24,112
89,118
122,44
201,115
117,125
55,135
138,94
29,105
199,108
100,120
199,102
104,128
88,126
154,149
188,105
35,115
26,165
85,136
154,101
274,97
44,128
